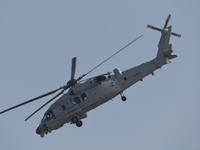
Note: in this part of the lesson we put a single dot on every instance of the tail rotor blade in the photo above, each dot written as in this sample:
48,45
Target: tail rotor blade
154,28
176,34
167,20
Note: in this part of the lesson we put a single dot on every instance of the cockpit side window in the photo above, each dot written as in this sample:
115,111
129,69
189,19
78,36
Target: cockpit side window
50,115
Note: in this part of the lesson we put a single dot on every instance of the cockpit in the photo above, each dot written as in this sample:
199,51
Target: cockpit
46,126
48,115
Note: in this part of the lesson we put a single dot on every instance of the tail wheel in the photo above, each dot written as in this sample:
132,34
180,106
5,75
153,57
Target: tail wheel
123,98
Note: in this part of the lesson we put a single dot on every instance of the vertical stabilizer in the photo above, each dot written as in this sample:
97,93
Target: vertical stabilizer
164,46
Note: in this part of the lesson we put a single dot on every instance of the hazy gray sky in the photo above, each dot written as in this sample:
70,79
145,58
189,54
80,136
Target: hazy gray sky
37,41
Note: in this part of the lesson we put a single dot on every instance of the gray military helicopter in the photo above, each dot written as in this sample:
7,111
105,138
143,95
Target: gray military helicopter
85,95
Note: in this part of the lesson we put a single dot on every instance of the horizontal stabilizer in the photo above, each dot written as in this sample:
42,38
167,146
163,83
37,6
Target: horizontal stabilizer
172,56
168,54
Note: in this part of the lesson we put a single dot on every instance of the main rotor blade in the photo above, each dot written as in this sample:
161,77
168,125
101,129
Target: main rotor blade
73,69
154,28
31,100
45,104
167,20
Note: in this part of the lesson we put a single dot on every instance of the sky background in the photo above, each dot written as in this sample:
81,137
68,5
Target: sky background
37,41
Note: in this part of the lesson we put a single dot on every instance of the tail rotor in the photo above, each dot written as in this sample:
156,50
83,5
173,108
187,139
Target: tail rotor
165,27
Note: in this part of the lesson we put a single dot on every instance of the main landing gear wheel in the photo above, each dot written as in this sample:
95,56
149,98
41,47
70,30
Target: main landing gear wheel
123,98
77,121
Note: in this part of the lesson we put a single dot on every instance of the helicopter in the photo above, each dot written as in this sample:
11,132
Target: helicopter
84,95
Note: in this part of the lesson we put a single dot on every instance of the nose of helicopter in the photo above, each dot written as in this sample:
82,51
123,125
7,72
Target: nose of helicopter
41,129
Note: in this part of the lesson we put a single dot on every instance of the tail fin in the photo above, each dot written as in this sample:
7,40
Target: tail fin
164,48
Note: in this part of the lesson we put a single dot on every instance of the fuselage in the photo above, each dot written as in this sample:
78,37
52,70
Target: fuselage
91,93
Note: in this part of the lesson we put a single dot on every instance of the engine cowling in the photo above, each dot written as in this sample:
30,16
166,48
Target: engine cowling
82,86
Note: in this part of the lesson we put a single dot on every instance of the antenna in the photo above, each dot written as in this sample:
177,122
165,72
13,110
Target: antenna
109,57
165,27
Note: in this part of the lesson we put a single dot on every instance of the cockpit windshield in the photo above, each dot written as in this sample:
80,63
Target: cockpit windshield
48,115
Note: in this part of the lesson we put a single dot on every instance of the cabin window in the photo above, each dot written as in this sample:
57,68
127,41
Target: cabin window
63,107
84,97
77,100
